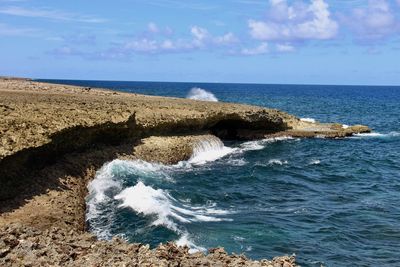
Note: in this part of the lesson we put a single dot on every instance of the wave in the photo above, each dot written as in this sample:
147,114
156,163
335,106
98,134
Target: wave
277,162
308,120
261,144
149,201
112,190
168,211
315,162
197,93
377,135
209,149
108,193
237,162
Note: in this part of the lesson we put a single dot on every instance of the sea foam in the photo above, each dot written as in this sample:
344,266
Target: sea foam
261,144
277,162
209,149
377,135
108,193
197,93
308,120
168,211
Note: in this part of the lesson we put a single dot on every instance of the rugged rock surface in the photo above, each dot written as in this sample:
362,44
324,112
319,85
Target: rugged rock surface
26,246
54,137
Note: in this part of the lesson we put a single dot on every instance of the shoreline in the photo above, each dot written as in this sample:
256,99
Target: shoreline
55,137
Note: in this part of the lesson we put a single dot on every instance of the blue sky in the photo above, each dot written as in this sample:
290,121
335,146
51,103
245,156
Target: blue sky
250,41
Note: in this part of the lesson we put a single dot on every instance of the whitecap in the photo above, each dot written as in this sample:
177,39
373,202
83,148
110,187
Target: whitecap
277,162
376,135
209,149
252,145
149,201
237,162
315,162
197,93
261,144
308,120
184,240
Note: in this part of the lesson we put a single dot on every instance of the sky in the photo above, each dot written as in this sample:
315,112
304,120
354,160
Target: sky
239,41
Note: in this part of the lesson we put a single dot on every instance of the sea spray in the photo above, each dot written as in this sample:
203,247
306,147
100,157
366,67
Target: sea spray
142,188
308,120
377,135
197,93
277,162
110,193
261,144
209,149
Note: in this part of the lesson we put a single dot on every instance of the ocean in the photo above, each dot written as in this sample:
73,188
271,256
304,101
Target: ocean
330,202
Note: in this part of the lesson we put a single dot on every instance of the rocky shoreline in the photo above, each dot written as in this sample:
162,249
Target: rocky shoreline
55,137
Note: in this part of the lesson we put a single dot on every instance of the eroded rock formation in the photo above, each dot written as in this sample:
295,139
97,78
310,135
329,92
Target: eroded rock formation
54,137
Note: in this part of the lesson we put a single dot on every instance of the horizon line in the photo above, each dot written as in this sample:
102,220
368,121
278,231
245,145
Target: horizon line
250,83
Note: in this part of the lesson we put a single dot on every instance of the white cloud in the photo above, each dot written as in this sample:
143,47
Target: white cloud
199,33
284,48
298,21
226,39
258,50
374,21
7,30
198,38
152,27
143,45
48,14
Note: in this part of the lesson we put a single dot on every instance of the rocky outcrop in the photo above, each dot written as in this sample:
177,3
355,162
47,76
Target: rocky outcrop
26,246
54,137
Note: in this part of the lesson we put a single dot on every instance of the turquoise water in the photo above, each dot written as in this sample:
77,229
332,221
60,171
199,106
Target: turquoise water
331,202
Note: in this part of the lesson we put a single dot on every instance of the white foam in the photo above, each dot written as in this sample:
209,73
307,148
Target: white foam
168,211
184,240
308,120
345,126
277,162
261,144
237,162
197,93
315,162
378,135
149,201
209,149
252,145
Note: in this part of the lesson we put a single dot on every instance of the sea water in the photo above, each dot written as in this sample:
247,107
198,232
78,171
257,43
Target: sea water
330,202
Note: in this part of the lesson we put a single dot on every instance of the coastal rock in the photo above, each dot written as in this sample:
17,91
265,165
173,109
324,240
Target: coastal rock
53,138
55,247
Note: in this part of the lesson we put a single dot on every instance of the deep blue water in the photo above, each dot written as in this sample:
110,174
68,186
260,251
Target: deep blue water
331,202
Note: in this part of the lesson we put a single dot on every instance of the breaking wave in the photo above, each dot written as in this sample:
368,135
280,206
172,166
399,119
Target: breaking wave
110,192
277,162
308,120
140,186
197,93
209,149
149,201
261,144
377,135
315,162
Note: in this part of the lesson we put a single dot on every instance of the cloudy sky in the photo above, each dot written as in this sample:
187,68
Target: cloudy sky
269,41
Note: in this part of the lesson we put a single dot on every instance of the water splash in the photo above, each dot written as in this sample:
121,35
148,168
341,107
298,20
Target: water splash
377,135
197,93
308,120
209,149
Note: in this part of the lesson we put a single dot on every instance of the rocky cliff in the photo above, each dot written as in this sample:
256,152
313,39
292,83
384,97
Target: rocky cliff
54,137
